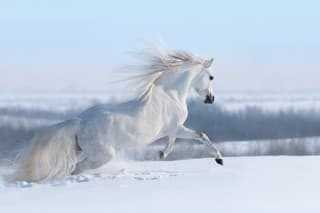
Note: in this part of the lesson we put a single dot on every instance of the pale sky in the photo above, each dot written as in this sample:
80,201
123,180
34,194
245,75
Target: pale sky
257,45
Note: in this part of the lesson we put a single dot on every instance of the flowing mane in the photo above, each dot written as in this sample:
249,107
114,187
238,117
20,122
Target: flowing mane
155,62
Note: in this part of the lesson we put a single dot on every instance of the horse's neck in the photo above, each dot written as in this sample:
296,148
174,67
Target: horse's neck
176,85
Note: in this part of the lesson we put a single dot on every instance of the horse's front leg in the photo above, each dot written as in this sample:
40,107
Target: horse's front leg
166,152
186,133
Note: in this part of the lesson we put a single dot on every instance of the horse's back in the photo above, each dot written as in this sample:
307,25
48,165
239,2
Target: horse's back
128,107
124,124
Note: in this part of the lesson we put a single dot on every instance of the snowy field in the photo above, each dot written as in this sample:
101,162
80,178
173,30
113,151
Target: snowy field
244,184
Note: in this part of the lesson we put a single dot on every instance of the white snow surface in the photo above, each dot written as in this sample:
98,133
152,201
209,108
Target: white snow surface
244,184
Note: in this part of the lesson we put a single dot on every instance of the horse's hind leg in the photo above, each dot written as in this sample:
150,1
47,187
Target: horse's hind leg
94,159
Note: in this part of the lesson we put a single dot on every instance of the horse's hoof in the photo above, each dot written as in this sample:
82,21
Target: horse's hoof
219,161
161,155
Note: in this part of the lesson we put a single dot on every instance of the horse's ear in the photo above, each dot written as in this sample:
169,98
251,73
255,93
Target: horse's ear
208,63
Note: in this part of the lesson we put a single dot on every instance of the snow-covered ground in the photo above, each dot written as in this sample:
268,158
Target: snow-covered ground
244,184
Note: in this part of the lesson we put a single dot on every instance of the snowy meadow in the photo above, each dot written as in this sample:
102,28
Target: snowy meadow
246,127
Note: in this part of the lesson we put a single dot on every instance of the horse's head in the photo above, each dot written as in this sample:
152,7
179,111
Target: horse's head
202,83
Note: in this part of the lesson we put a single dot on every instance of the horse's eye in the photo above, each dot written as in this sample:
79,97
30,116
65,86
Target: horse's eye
211,77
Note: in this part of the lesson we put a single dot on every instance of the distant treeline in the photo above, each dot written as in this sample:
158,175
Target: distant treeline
252,123
220,124
187,150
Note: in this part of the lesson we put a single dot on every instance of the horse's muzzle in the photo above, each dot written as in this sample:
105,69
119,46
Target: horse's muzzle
209,99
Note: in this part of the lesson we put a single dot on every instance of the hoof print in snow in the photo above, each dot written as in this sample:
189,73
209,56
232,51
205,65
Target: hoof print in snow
81,179
24,184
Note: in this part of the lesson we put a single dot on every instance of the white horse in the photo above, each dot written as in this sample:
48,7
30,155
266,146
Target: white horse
160,110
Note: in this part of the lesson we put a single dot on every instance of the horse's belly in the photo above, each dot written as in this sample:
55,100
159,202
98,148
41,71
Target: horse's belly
133,142
129,133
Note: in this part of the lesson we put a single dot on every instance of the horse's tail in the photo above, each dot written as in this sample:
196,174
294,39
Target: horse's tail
52,154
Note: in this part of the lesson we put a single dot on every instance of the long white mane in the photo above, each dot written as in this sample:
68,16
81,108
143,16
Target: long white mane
153,63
